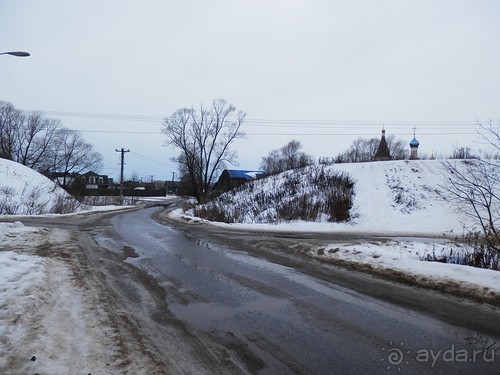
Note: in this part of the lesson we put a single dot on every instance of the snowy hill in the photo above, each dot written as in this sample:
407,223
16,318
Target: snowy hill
403,196
26,192
390,197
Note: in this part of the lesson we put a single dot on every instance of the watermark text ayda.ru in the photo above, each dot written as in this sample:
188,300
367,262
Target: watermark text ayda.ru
398,356
454,355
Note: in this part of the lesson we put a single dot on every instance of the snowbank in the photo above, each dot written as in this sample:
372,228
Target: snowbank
26,192
406,256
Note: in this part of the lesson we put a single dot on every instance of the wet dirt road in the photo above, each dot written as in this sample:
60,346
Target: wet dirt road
275,318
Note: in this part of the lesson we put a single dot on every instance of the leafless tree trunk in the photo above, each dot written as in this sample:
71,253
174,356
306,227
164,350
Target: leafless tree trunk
203,138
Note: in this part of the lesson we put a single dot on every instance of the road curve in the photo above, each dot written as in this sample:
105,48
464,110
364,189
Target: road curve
273,313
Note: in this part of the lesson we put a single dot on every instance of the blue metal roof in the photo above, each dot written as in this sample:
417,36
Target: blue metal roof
243,174
414,142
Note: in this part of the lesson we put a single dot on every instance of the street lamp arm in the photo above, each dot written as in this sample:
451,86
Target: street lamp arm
16,53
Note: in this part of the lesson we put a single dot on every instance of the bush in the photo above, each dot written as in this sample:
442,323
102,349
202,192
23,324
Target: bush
109,200
65,205
471,251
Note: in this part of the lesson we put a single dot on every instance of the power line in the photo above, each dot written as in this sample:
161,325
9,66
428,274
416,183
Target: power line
429,127
352,134
118,131
147,158
261,121
288,134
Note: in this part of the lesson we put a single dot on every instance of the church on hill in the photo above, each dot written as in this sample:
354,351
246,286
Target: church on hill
383,152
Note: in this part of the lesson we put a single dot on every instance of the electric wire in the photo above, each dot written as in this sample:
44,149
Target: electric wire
425,127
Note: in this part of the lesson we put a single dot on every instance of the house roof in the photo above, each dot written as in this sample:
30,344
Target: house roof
241,174
91,173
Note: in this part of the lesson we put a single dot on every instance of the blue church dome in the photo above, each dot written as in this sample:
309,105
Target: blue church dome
414,142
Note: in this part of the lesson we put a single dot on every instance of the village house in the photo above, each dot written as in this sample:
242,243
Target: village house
231,178
94,181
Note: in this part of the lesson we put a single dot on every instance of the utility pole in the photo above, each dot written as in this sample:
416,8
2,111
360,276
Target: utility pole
173,183
122,152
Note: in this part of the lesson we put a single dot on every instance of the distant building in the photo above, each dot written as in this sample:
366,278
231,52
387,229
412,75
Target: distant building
230,178
172,187
383,152
414,147
86,181
94,181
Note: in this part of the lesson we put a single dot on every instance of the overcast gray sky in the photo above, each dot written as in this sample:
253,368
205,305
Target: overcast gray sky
320,71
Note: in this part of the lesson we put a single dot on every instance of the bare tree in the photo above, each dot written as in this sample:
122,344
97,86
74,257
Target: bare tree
203,138
272,163
42,144
361,150
463,153
286,158
35,141
74,155
475,187
11,120
397,147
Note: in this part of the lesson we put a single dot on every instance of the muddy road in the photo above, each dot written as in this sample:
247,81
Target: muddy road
189,299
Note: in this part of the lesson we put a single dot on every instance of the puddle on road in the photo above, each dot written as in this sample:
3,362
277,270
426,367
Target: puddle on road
211,315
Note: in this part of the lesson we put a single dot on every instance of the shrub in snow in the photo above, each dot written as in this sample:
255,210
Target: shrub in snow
109,200
472,252
314,193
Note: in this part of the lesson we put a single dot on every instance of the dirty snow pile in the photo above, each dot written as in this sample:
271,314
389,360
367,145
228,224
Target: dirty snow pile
26,192
46,322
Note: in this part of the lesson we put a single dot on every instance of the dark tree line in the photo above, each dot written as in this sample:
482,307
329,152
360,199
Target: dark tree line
42,144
